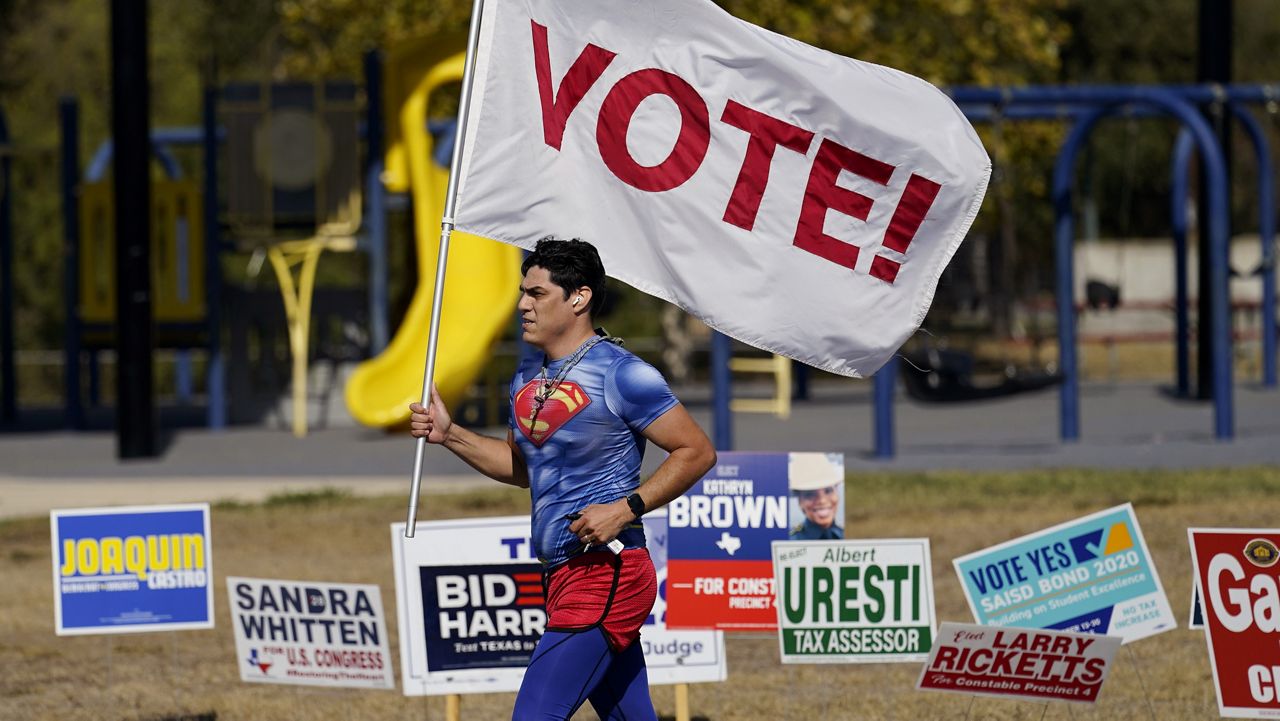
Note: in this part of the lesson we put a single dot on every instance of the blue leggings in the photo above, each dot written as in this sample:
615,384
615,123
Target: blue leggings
569,667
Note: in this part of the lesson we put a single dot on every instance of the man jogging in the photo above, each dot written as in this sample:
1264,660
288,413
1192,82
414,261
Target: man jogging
580,416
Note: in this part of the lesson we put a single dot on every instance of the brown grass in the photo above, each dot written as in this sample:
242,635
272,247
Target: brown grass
336,538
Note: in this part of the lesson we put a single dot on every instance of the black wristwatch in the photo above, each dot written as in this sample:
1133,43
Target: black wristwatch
637,504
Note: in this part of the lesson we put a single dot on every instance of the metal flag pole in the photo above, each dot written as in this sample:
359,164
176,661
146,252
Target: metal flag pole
446,230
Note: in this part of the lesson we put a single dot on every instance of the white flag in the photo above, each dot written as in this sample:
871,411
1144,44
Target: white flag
796,200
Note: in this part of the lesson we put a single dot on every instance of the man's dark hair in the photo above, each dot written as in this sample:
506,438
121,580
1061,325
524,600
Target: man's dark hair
572,264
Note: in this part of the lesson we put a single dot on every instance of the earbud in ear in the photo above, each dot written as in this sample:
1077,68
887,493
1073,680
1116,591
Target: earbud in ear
577,300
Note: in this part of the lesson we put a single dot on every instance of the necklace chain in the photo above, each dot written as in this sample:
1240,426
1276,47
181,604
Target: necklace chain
548,386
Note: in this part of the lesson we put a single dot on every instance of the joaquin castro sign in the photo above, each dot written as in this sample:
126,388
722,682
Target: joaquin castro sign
310,633
1236,572
472,611
1091,575
854,601
1015,663
132,569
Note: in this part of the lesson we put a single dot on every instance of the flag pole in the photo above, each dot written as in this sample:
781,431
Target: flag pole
446,230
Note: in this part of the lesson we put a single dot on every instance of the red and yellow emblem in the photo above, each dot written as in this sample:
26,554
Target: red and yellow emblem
565,402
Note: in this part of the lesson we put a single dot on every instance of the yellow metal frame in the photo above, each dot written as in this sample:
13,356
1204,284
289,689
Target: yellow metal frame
297,296
780,368
177,250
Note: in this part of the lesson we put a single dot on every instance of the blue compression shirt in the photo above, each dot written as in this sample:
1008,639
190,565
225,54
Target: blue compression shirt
586,445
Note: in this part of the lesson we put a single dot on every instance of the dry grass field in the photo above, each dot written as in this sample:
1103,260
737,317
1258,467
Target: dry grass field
332,537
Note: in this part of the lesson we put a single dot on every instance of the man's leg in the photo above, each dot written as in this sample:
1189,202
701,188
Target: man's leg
623,693
565,668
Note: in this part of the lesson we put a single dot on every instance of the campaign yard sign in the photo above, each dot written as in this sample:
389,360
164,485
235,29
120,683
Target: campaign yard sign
1195,617
1236,573
673,656
470,609
469,604
1092,575
719,565
310,633
865,601
1037,665
131,569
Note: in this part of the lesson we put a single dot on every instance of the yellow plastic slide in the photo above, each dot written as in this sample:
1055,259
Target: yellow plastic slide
481,275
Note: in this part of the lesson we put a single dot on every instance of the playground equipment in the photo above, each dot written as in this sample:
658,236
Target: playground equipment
183,272
293,151
1086,106
8,375
483,274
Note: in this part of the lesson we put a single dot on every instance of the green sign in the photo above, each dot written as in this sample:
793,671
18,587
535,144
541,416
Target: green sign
854,601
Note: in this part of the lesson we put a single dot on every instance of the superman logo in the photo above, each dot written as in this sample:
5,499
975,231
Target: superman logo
566,401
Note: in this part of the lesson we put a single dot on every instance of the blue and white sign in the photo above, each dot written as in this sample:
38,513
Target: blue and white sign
132,569
482,616
470,608
1090,575
722,531
735,512
310,633
675,656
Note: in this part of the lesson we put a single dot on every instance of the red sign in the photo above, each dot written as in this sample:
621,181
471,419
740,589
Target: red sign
1236,574
722,595
1033,664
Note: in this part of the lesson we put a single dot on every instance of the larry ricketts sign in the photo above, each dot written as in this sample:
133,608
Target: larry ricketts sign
309,633
854,601
122,570
1016,663
1092,575
1237,573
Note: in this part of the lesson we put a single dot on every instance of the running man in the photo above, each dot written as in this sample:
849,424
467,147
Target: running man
580,417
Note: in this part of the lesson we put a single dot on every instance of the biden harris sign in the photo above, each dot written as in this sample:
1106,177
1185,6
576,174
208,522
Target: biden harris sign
132,569
1090,575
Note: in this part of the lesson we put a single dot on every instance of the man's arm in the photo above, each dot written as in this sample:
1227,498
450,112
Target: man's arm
497,459
691,456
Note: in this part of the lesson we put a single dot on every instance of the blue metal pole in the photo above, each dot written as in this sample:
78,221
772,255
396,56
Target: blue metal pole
722,391
375,203
1182,153
1067,95
1266,232
1216,224
8,369
883,394
1064,264
69,122
216,414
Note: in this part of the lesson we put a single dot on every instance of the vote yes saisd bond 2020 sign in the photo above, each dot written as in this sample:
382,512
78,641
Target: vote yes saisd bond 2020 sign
1092,575
720,568
1039,665
310,633
132,569
1237,572
854,601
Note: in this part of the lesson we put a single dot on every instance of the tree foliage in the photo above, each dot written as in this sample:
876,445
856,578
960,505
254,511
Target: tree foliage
55,48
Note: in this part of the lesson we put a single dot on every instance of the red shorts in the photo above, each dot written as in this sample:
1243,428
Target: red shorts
601,589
